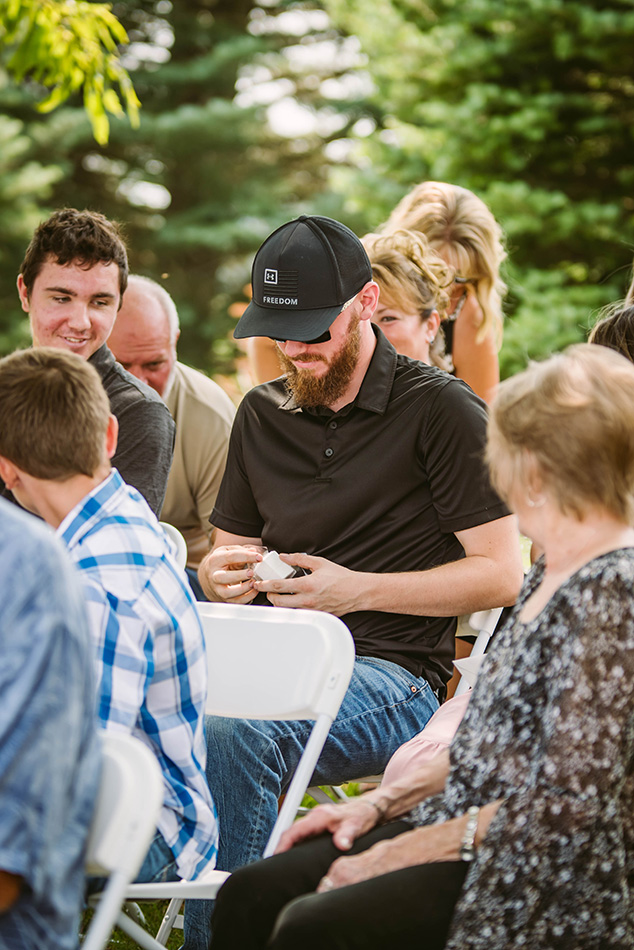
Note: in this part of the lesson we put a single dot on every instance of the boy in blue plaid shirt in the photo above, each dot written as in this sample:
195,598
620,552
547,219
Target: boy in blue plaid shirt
57,437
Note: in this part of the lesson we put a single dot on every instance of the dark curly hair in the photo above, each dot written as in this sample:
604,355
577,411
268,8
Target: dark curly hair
82,237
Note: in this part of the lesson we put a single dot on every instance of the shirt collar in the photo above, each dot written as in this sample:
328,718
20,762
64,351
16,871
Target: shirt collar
80,519
102,358
375,390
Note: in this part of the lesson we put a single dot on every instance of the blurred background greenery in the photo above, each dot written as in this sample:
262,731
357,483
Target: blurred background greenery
253,112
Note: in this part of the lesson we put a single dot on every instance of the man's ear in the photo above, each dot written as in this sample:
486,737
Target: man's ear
9,472
112,435
369,297
24,294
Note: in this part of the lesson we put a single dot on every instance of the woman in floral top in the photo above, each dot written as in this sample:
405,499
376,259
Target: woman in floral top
522,835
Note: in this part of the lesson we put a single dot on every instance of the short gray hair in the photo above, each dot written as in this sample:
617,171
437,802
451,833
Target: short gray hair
162,298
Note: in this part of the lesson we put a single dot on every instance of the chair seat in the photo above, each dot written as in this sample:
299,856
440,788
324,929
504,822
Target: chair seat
204,888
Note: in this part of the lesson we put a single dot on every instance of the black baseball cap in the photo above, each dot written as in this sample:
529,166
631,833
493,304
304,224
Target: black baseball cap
301,278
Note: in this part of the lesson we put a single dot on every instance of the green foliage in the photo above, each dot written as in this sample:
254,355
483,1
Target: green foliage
205,178
153,912
25,183
530,104
69,46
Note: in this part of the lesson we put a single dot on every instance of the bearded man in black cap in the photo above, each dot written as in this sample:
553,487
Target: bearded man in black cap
369,463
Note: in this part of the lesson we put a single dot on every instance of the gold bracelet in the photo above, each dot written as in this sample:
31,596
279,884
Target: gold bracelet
381,809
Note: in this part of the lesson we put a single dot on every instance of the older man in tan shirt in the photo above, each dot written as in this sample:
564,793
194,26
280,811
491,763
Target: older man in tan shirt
143,340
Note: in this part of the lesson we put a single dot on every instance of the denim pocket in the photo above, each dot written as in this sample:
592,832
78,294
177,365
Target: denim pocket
397,676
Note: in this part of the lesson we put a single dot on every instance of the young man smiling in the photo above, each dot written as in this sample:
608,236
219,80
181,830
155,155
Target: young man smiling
72,279
372,463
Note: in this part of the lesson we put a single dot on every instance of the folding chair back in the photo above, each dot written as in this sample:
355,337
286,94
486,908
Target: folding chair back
275,662
124,821
177,538
483,623
278,663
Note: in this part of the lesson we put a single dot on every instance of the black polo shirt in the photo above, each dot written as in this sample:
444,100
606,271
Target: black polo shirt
380,486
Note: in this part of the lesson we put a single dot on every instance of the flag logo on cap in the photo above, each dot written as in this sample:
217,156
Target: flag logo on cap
270,276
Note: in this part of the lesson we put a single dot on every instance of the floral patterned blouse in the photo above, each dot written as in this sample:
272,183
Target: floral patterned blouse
550,730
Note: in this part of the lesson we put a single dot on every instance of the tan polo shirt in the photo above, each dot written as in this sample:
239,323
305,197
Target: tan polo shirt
203,414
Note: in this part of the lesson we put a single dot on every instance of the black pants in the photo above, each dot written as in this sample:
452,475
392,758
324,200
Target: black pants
272,903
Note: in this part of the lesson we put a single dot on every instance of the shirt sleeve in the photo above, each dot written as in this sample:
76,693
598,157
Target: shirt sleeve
49,758
236,509
451,448
145,448
124,654
206,464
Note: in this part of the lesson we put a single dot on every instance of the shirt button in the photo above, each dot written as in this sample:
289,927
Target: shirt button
333,425
329,452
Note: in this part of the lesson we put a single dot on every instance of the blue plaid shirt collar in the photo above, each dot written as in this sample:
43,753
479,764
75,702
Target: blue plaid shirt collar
90,510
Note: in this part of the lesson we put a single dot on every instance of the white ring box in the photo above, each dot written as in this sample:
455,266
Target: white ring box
272,568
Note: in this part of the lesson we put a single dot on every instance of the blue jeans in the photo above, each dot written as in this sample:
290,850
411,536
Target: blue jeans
159,864
251,762
194,583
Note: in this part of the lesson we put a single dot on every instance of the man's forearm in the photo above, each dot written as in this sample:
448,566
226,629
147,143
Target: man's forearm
460,587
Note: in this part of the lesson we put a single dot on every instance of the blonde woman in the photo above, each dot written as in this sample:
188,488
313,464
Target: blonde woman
461,229
414,283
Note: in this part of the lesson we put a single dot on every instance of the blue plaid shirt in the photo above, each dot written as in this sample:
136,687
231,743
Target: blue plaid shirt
151,667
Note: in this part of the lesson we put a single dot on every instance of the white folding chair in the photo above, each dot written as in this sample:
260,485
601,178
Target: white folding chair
482,623
263,663
124,822
178,539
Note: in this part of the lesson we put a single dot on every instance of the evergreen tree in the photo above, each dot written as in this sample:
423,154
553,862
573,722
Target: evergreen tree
529,103
204,179
49,49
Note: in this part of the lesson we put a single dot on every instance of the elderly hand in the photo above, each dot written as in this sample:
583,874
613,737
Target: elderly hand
347,822
424,845
227,573
328,587
420,846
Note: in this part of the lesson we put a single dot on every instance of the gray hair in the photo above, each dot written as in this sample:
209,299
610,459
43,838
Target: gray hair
162,298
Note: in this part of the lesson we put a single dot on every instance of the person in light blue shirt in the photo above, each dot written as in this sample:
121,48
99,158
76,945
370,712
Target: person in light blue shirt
49,752
57,436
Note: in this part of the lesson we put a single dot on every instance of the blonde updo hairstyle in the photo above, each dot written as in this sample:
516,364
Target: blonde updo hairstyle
411,278
462,230
569,421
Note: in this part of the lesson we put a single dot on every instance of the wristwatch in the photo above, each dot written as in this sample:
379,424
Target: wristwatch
467,846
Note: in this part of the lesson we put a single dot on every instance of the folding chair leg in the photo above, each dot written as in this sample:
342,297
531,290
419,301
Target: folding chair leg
138,934
170,918
133,910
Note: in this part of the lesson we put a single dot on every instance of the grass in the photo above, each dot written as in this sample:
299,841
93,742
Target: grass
154,912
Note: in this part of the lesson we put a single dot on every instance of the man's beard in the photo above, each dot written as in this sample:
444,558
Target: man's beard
325,390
